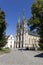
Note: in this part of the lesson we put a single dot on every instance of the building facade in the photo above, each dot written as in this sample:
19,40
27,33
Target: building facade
25,38
10,42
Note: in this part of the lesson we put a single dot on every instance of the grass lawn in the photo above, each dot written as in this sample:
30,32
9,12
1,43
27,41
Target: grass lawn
4,50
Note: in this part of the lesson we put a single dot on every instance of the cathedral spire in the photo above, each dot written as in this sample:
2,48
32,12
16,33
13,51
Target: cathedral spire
19,20
24,15
24,18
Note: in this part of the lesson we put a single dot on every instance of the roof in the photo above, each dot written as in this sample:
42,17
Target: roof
33,33
8,36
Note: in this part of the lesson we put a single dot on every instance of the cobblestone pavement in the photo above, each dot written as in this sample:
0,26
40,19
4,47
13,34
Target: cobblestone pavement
20,57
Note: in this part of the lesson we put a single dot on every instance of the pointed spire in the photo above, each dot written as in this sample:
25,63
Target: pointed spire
24,18
19,20
24,15
18,23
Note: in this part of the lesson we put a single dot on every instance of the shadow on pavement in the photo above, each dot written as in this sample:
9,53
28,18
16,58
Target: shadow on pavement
39,55
25,49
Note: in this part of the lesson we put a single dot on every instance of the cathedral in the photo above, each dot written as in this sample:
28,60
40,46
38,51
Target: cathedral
24,37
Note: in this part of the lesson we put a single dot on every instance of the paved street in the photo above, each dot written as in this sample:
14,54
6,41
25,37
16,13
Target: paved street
21,57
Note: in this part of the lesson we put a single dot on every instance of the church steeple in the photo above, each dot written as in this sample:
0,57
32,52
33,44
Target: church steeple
24,15
19,22
24,23
24,18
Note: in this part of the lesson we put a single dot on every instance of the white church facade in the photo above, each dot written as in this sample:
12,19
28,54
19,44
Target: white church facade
10,42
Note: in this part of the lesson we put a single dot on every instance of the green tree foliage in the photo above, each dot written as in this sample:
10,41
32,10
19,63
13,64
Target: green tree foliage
36,21
2,29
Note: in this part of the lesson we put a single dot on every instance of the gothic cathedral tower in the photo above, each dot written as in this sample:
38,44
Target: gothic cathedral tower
18,33
24,31
21,33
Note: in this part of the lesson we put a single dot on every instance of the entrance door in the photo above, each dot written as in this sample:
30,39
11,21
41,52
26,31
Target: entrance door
10,46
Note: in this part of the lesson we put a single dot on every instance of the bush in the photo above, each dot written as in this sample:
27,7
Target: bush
40,49
5,50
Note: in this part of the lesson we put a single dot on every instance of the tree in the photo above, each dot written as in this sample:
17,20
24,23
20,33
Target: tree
36,21
2,28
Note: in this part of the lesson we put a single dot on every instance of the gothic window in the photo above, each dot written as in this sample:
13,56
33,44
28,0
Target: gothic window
32,41
29,40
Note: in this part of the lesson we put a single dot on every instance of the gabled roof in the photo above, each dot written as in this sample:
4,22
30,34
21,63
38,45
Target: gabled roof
9,36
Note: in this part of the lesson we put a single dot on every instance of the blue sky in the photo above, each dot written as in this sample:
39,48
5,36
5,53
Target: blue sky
13,9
